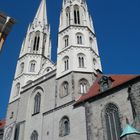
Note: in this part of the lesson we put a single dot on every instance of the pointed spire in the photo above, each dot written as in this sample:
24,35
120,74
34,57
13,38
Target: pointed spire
41,15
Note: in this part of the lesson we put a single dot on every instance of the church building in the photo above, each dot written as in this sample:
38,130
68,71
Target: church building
72,99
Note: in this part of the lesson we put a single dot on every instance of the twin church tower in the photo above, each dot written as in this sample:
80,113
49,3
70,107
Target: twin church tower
77,46
43,93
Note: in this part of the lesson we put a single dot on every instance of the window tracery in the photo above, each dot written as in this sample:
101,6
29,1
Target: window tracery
112,119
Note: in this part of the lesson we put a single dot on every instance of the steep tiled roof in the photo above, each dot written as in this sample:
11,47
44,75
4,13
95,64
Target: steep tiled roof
95,88
2,123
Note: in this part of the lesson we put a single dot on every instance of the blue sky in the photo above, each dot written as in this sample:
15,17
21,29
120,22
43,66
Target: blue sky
117,26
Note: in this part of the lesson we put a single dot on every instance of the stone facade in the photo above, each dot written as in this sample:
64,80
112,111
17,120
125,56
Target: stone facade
124,96
51,101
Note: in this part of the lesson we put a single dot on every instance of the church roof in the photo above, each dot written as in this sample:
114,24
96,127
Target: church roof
129,130
2,124
117,80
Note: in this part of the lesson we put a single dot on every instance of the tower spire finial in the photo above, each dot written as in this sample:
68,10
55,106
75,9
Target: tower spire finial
41,15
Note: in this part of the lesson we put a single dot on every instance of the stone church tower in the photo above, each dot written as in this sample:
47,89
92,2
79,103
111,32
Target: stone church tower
77,54
77,46
43,94
35,53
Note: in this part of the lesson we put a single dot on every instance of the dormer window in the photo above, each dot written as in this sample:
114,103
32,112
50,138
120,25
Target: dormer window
105,83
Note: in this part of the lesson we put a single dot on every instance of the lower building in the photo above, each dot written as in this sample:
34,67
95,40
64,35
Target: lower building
109,111
112,108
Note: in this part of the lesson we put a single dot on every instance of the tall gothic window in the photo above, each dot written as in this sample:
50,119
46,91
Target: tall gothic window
16,134
64,91
66,40
32,66
34,136
81,59
83,86
66,63
37,102
68,16
65,88
17,90
36,41
21,67
79,37
64,126
112,122
76,15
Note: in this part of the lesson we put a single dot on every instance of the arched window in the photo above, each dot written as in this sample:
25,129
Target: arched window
21,68
95,63
83,86
81,59
113,126
64,126
66,63
16,134
64,89
36,41
67,16
32,66
37,102
17,89
76,15
91,42
79,38
66,40
34,136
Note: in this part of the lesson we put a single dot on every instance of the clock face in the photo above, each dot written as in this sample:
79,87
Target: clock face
8,133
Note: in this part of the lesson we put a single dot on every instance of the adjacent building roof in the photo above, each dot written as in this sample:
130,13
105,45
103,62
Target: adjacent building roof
129,130
117,80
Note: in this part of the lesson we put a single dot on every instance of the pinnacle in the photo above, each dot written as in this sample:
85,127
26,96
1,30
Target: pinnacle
41,15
